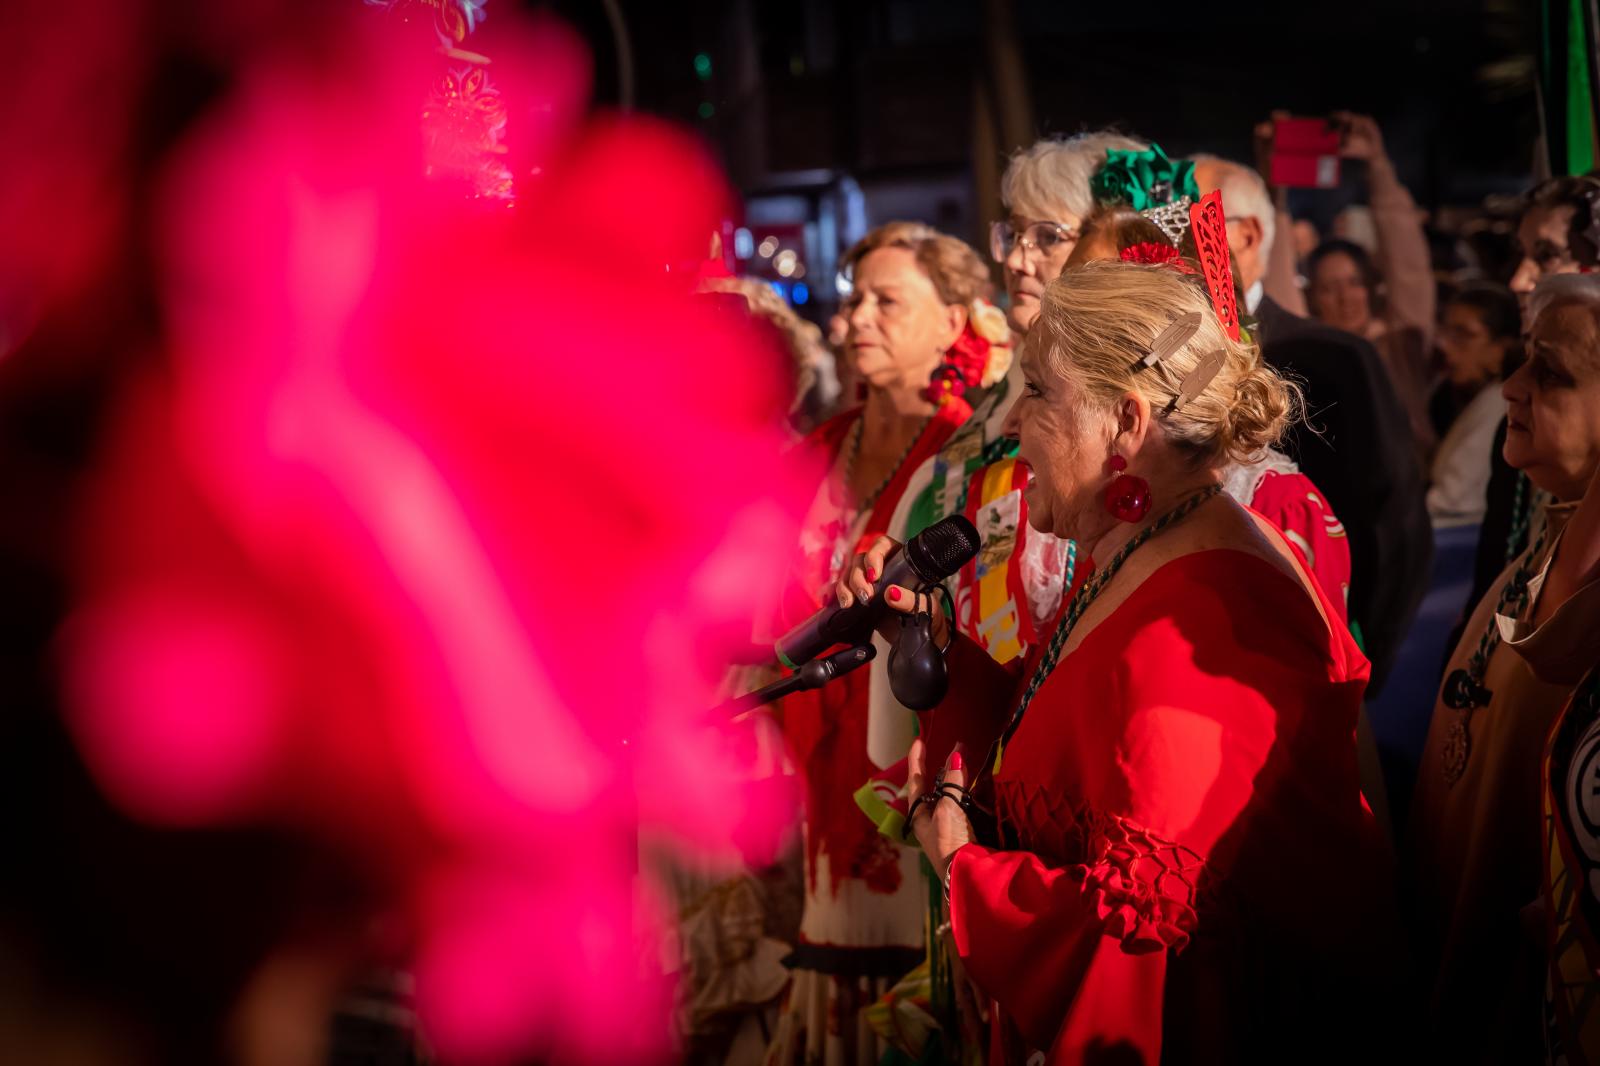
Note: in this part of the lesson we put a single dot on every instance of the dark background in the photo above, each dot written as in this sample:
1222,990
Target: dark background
808,101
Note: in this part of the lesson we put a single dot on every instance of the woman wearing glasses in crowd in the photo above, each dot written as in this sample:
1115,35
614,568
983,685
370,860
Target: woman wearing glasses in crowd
1045,192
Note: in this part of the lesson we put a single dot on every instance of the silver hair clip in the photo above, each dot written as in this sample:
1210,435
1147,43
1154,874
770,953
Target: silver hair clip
1170,340
1172,219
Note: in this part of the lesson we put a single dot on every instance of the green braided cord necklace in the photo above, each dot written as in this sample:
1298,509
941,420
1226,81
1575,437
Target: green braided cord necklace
1463,690
1517,538
854,451
1085,596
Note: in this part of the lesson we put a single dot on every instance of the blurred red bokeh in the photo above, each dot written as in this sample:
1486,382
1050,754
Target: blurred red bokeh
426,532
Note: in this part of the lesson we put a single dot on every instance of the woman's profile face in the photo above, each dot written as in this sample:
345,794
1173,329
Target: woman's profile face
1553,402
1062,443
1339,295
899,328
1542,236
1471,355
1035,254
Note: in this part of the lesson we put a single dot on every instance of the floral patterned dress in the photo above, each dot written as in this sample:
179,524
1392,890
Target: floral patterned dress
862,927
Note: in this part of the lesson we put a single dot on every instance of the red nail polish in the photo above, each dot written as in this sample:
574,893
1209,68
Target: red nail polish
955,761
872,575
894,594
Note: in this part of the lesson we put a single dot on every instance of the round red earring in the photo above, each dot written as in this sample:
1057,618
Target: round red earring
1128,496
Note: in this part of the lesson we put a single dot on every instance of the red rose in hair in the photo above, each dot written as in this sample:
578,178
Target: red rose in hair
1149,253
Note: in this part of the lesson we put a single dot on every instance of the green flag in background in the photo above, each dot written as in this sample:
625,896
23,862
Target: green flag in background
1568,79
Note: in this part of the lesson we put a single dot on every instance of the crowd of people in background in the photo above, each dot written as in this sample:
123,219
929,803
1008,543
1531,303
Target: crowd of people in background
1389,388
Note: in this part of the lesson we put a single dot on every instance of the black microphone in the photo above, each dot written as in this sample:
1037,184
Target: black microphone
927,558
814,674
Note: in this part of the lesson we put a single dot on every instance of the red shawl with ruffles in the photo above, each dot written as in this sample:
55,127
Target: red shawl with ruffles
1187,863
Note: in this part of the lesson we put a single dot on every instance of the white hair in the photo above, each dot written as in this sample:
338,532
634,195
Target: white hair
1564,288
1244,193
1051,177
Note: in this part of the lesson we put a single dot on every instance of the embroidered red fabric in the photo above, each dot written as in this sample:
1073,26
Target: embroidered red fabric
1143,886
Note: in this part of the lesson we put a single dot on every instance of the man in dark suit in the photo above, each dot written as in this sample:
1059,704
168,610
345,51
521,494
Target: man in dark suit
1354,445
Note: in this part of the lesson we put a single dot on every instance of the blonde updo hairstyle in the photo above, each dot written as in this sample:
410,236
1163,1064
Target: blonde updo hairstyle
958,272
1097,320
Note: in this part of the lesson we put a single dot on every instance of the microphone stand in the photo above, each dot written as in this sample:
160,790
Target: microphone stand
813,674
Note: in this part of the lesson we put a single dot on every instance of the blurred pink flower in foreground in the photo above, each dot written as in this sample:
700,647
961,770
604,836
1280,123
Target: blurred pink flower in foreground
429,531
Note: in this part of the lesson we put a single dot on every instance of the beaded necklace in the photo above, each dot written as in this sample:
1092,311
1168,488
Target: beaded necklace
854,451
1085,596
1517,536
1463,690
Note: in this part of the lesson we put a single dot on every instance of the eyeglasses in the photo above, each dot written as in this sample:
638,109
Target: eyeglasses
1046,238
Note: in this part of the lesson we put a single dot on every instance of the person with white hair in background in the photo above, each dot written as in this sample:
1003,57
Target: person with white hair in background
1046,196
1355,444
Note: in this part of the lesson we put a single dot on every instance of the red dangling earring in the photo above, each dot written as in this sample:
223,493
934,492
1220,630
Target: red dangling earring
1127,497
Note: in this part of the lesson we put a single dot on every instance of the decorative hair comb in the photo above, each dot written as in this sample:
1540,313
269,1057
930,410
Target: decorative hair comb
1211,245
1172,219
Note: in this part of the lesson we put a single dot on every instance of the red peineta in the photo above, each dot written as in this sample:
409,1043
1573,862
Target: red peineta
1211,242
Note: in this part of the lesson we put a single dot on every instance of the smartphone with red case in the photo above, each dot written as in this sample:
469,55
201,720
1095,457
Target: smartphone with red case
1305,153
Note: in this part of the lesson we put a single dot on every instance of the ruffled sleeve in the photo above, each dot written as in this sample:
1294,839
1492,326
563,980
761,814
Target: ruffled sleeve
1141,887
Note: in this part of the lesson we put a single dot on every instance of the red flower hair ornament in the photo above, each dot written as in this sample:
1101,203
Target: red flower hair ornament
979,358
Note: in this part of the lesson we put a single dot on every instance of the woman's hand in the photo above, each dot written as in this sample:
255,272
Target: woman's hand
941,827
855,584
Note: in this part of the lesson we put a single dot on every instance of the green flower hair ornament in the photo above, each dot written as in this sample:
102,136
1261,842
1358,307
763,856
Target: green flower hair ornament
1143,180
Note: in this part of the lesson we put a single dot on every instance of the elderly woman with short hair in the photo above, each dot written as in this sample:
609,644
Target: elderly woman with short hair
1477,827
1045,192
1181,864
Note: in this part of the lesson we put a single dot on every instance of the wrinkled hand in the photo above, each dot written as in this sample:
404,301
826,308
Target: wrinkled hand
941,827
1362,138
856,584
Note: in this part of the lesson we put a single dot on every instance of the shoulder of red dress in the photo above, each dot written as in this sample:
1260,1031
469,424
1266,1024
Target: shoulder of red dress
1226,584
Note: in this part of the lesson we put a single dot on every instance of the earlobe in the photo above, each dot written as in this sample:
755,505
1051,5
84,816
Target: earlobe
1133,415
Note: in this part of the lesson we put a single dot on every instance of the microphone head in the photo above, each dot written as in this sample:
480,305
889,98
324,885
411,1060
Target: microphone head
942,548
